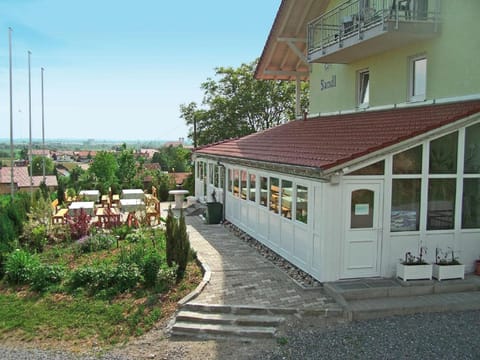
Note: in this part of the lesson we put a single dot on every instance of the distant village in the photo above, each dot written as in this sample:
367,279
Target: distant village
65,160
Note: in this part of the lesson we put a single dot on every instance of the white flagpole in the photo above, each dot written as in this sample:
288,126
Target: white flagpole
30,123
43,128
12,191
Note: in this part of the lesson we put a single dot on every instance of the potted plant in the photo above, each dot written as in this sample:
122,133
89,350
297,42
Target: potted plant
447,265
414,267
477,267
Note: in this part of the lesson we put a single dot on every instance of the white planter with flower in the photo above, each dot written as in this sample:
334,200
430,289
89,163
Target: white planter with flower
414,271
414,267
447,266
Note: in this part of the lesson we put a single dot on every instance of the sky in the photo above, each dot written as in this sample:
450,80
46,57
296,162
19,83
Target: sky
119,70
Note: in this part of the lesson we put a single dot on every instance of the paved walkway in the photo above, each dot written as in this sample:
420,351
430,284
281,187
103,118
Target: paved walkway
241,276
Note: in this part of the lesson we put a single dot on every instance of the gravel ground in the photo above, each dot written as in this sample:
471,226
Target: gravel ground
452,335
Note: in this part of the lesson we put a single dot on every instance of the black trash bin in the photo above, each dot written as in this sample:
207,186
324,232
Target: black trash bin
214,212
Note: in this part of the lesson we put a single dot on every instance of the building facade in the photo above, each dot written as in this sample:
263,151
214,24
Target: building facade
388,158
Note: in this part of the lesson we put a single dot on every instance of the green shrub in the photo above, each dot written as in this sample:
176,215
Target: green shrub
136,237
122,231
44,276
170,229
183,246
83,277
95,242
39,238
126,277
105,277
166,278
19,266
150,267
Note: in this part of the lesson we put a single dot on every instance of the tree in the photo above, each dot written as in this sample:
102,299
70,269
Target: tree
104,171
237,104
173,158
37,165
127,168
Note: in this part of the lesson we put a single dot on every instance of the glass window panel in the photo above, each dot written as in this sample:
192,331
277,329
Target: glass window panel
471,204
375,169
199,170
361,209
443,154
408,162
441,204
302,204
221,177
229,180
243,184
287,199
405,205
236,183
215,176
252,188
472,149
363,88
274,190
263,191
210,173
419,77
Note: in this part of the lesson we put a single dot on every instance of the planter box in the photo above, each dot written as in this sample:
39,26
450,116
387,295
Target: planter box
414,272
442,272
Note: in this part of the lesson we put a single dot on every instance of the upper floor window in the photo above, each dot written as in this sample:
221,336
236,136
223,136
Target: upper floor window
363,88
418,78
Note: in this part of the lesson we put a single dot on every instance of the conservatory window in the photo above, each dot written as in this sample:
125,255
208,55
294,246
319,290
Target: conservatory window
405,214
441,204
471,204
243,184
236,183
443,154
472,150
263,191
229,180
287,199
252,187
408,162
274,190
302,204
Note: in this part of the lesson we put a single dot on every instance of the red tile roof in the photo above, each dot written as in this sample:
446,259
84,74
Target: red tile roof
328,141
22,179
20,176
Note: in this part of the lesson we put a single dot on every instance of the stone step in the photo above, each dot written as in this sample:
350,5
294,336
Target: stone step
411,288
232,309
390,306
228,319
181,328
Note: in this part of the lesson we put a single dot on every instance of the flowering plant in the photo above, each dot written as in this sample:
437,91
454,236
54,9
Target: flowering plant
411,259
446,258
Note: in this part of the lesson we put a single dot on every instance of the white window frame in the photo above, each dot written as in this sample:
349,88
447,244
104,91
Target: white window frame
362,94
413,97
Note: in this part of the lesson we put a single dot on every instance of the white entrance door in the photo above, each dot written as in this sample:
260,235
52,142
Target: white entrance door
361,250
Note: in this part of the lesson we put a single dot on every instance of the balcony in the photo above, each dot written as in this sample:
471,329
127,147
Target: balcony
357,29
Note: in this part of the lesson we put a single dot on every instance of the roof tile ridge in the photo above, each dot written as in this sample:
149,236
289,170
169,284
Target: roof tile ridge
201,147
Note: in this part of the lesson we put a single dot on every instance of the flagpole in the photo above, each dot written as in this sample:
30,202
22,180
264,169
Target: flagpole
43,128
30,123
12,191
